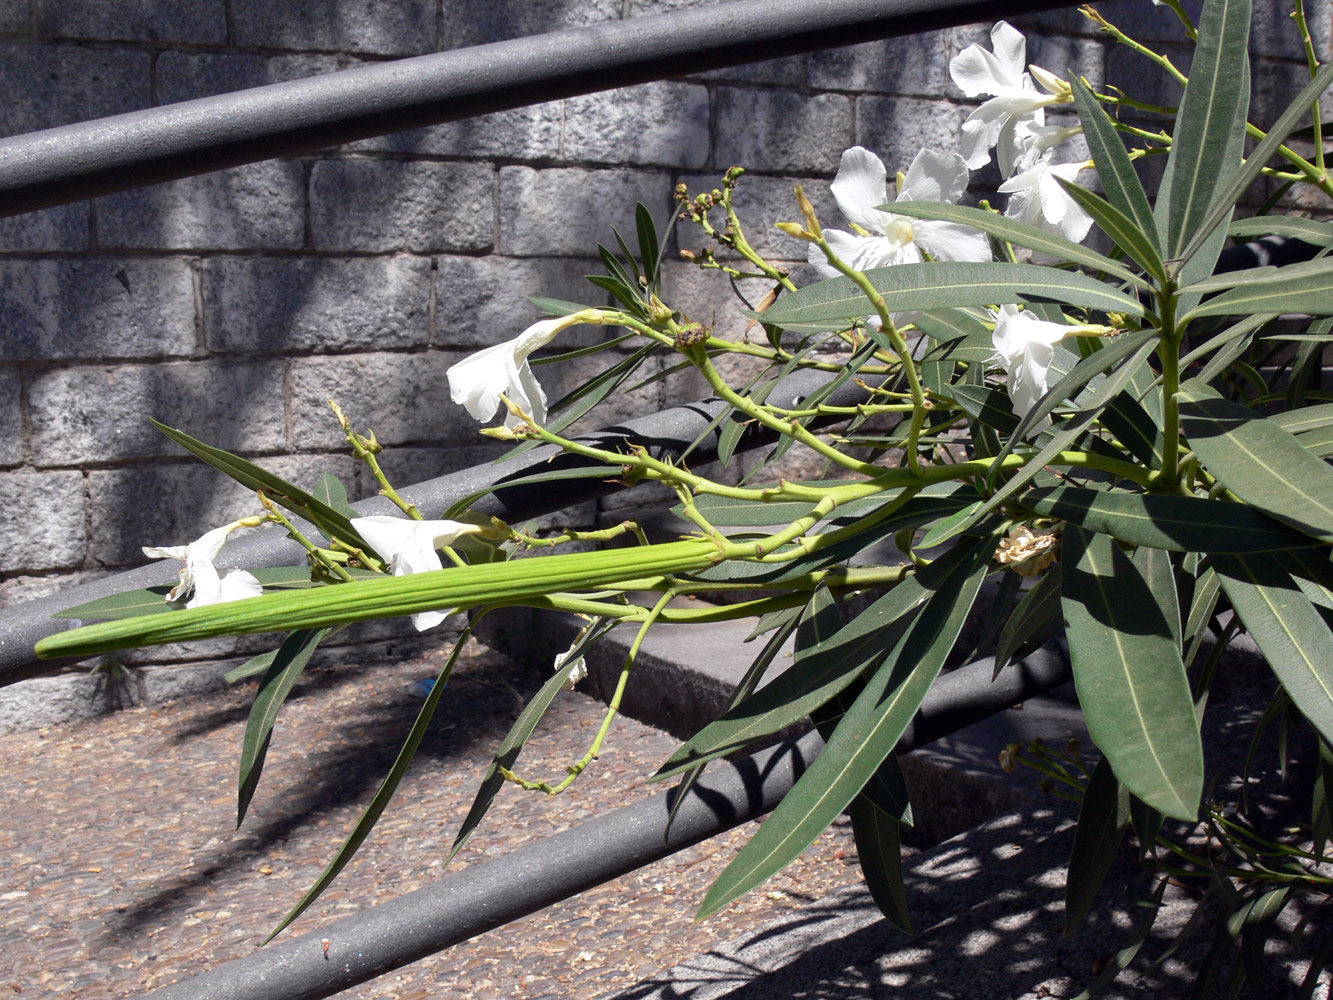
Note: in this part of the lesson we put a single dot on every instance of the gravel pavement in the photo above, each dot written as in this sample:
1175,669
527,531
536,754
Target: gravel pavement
121,869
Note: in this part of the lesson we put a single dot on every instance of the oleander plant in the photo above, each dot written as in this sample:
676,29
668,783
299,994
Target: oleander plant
1129,443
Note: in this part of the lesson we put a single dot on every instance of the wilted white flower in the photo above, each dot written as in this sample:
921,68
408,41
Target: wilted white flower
410,547
1025,346
861,187
580,670
199,577
1016,107
1036,197
479,380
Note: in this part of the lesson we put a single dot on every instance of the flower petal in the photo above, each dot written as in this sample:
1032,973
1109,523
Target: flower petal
935,177
860,186
238,585
952,241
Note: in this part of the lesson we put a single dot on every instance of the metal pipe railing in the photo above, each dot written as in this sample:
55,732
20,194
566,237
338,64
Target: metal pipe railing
488,895
73,162
666,435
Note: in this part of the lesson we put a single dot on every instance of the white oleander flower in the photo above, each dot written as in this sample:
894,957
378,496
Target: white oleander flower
861,187
410,547
580,670
1025,347
1016,107
1036,197
199,577
479,380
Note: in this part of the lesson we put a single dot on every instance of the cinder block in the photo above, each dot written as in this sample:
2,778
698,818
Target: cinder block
101,414
407,465
50,85
789,71
285,304
1060,55
201,21
15,18
96,308
762,202
662,123
45,701
1144,80
259,205
461,26
46,509
1274,86
915,64
404,398
1149,22
403,28
183,76
531,133
392,205
11,419
569,212
187,499
781,130
481,301
896,129
64,227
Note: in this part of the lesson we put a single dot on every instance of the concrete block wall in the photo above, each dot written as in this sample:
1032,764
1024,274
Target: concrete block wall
234,304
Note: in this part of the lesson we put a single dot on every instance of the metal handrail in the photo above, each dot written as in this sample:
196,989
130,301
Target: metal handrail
484,896
73,162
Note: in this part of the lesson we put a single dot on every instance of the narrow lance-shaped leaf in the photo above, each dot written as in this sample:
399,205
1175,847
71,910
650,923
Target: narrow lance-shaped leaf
1129,675
943,283
385,791
253,477
1114,168
506,754
1119,227
1297,288
1101,830
288,661
1020,233
1204,151
869,730
879,847
1277,134
1258,461
1291,634
1161,521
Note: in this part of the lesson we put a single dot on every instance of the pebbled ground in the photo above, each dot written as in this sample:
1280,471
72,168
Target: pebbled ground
121,869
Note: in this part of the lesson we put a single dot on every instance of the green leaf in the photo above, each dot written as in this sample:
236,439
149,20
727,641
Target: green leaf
1036,619
936,284
649,248
1151,907
287,662
506,754
556,307
1159,574
1297,288
1291,634
1101,830
1256,927
1205,151
252,477
829,656
332,493
1115,170
1119,227
1021,234
987,405
1129,676
386,789
1259,226
1162,521
1257,460
1257,160
880,851
744,688
870,729
1321,816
